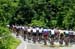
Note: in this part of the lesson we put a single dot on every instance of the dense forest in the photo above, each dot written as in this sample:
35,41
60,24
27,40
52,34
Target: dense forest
43,13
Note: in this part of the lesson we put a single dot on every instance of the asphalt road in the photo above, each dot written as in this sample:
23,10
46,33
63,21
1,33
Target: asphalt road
31,45
38,46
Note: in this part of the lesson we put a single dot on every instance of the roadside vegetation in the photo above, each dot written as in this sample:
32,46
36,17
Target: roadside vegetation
6,40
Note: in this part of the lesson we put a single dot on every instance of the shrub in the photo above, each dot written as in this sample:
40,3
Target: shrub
6,40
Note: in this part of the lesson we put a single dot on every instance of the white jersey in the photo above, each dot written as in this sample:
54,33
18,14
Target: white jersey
45,30
71,32
17,27
61,31
23,28
29,30
74,33
40,30
37,28
34,30
52,32
67,32
49,29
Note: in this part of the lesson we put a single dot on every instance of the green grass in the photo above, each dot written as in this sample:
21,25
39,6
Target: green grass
14,44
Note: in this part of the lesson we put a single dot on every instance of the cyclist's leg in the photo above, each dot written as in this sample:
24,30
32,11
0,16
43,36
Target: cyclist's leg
52,40
34,38
45,38
24,35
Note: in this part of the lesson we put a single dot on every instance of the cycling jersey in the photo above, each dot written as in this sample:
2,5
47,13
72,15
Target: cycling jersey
52,32
45,31
66,32
37,28
34,30
70,32
40,30
61,31
29,30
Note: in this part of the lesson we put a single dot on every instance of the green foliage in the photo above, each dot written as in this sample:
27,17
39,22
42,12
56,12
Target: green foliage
6,40
38,23
46,13
58,13
4,31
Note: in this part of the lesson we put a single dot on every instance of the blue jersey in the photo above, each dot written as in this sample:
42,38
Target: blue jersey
45,31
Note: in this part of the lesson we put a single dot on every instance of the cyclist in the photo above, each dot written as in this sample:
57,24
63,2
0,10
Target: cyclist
52,37
45,35
40,34
34,34
29,33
